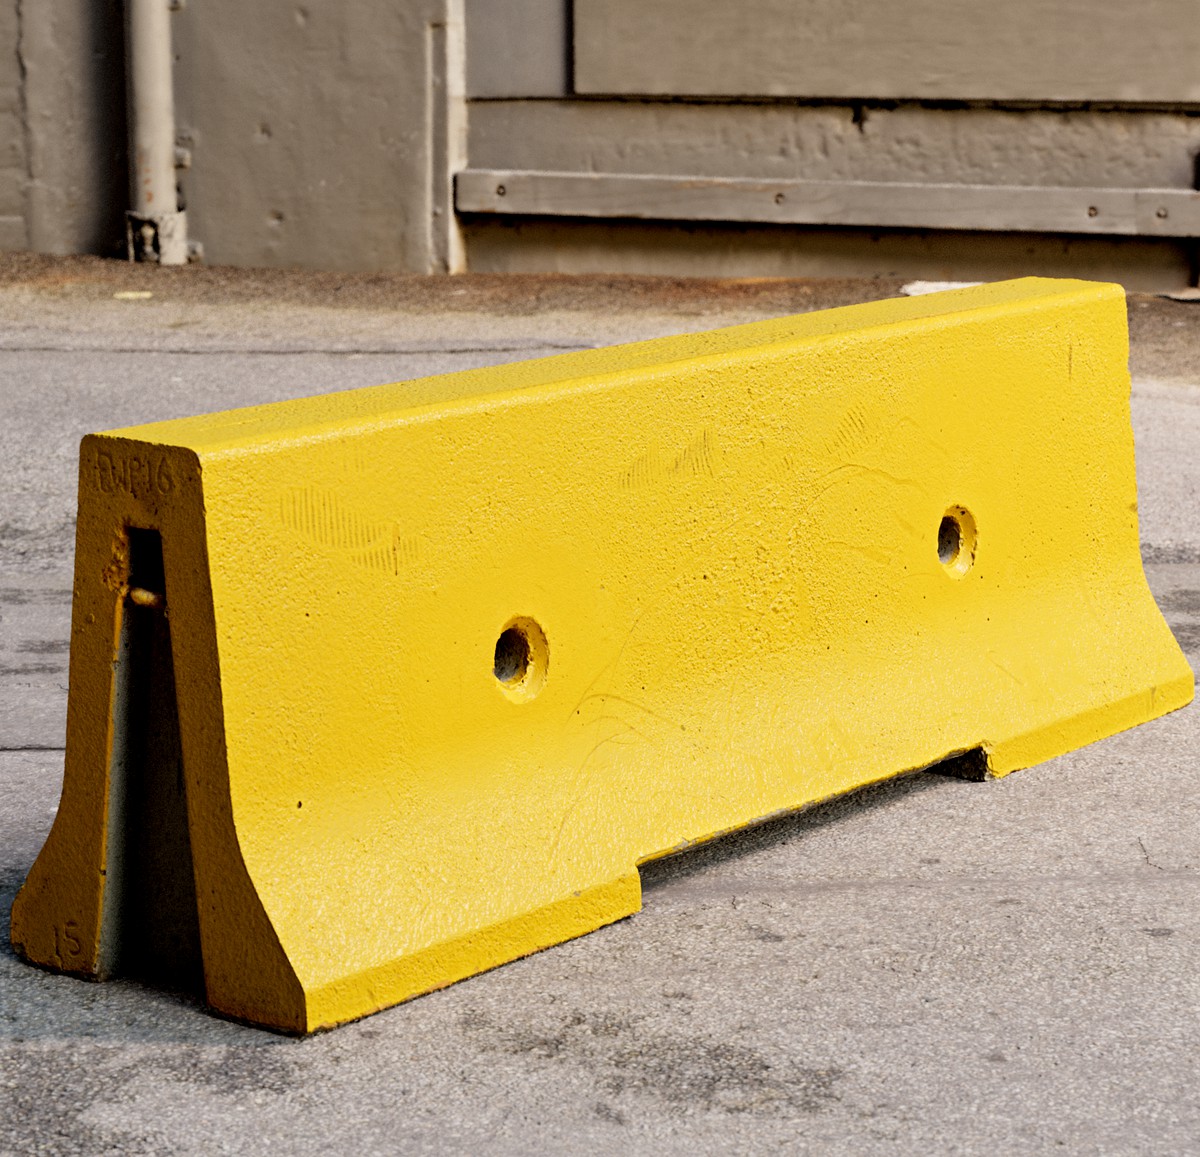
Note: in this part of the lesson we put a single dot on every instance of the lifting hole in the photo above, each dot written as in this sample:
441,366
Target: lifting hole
949,540
956,541
512,656
521,659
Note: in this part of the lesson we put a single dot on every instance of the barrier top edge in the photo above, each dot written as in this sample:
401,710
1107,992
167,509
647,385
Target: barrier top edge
252,426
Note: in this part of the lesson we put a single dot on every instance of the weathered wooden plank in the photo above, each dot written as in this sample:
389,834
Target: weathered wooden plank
1001,208
787,140
1037,50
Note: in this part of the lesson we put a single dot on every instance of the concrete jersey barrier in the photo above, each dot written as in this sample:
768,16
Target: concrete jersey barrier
372,691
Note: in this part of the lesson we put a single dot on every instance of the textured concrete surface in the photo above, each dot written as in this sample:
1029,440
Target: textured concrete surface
63,173
929,966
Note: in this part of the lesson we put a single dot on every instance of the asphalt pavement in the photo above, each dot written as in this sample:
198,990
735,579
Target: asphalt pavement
928,966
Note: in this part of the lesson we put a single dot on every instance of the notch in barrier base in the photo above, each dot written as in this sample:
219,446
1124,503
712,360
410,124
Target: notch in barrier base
373,691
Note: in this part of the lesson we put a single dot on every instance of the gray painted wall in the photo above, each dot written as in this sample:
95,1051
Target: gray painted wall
325,134
518,48
316,131
321,133
1028,50
72,56
13,234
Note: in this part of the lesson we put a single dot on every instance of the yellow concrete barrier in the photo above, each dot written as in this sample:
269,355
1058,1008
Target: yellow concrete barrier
451,658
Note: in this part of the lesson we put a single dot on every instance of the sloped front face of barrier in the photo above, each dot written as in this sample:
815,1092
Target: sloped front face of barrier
451,658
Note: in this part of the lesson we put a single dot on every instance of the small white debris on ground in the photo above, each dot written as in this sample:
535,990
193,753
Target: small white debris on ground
919,288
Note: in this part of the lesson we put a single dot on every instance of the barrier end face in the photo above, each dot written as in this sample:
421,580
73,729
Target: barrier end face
142,623
48,928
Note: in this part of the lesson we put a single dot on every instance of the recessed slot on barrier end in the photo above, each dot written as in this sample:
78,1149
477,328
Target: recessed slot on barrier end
149,930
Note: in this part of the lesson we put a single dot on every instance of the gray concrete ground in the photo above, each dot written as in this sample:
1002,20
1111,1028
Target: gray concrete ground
929,966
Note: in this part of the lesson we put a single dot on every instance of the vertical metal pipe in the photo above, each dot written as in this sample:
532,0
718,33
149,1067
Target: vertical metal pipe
156,229
448,136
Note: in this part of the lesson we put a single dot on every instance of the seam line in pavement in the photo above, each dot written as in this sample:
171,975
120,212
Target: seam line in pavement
294,352
687,889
